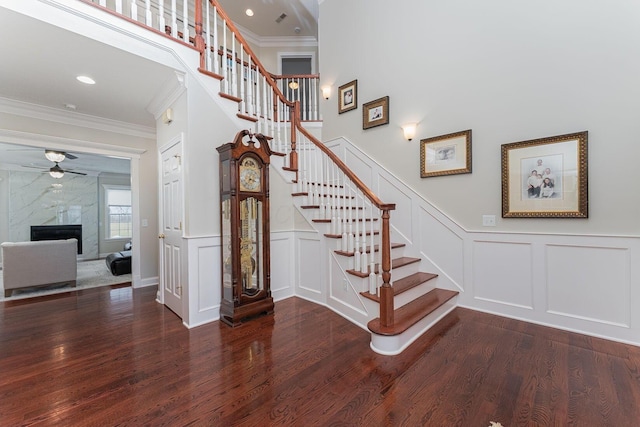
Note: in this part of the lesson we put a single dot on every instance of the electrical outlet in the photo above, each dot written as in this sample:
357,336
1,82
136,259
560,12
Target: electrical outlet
489,220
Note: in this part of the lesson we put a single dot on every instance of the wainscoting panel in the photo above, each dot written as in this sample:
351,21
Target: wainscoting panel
589,283
400,217
310,279
503,273
442,247
203,292
344,291
358,166
282,269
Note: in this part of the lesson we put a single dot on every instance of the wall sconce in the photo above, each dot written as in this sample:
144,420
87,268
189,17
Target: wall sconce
326,92
167,116
409,130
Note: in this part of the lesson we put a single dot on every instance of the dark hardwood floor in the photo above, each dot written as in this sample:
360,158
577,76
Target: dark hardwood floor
112,356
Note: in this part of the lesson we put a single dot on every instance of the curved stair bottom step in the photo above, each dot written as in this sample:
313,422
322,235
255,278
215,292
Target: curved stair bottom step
390,345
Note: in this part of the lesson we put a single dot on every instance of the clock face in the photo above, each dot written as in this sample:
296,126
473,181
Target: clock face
249,175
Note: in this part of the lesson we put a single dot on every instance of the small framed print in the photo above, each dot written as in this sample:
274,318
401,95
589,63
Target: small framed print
446,154
348,97
546,177
375,113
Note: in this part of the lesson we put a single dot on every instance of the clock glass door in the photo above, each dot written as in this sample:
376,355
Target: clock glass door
251,256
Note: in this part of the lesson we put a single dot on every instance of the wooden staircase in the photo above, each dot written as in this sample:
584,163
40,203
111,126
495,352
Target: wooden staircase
332,198
418,303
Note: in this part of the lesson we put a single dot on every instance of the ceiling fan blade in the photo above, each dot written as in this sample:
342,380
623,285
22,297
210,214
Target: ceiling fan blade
70,156
77,173
34,167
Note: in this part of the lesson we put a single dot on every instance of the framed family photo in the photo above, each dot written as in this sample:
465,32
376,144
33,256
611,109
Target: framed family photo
446,154
546,178
375,113
348,97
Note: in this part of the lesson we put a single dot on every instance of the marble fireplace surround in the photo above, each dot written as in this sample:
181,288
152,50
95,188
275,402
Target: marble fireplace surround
38,199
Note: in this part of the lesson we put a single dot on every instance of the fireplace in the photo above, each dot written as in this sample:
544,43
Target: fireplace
57,232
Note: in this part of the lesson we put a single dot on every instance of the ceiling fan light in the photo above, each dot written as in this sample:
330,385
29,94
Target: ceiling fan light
56,172
54,156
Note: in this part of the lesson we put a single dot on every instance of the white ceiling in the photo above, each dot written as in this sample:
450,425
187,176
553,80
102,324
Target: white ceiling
300,13
40,63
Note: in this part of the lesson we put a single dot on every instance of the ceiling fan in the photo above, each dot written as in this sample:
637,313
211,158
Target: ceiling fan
55,171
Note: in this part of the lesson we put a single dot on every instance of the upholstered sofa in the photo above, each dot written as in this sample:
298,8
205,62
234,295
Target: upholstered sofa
41,263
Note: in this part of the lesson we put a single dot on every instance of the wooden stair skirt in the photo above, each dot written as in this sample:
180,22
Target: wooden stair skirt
411,321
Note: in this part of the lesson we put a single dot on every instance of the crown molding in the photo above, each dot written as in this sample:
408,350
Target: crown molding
36,111
277,41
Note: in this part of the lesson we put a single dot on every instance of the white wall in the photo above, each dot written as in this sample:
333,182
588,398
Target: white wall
510,71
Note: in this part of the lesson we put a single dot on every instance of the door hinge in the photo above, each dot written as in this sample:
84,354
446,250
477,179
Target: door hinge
179,157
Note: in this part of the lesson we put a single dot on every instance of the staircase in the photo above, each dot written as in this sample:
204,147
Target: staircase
400,301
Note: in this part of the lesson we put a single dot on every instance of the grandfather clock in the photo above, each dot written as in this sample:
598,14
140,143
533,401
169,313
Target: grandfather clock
244,219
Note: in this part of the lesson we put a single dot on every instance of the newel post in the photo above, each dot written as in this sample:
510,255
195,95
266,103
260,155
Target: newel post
294,116
386,292
199,40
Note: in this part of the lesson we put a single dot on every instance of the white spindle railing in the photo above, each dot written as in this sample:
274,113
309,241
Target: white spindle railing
303,88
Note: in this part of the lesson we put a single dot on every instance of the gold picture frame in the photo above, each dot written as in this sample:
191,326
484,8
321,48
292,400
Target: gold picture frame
375,113
559,191
348,97
446,154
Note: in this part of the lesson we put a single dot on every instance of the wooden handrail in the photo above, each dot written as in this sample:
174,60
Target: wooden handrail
294,76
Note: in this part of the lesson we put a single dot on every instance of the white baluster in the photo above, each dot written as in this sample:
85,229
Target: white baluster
174,20
243,82
321,180
119,6
134,10
363,240
345,224
148,16
338,203
216,46
234,66
356,252
103,3
224,59
161,20
185,21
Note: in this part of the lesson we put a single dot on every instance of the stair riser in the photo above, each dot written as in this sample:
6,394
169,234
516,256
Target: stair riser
392,345
407,296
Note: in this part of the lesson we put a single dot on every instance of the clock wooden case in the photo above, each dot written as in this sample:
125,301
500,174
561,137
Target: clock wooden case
244,220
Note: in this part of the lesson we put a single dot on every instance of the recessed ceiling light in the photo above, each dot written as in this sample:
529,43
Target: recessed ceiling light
86,80
249,12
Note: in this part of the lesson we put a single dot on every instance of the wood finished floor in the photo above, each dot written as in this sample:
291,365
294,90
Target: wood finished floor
115,357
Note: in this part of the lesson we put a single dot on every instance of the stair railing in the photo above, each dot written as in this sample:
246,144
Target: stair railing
343,199
304,88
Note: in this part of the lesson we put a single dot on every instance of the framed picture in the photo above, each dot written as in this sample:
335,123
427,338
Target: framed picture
446,154
545,178
348,97
375,113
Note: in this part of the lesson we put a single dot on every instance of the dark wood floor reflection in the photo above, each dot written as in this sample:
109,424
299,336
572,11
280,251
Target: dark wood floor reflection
113,356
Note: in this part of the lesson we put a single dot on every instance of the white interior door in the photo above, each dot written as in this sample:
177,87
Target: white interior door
171,222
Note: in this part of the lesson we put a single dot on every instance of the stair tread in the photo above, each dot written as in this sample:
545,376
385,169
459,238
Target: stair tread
410,314
339,236
376,248
404,284
395,263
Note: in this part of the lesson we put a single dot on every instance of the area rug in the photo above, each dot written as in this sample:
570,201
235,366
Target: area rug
91,274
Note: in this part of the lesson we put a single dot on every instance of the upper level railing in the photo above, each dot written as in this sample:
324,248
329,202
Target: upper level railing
343,199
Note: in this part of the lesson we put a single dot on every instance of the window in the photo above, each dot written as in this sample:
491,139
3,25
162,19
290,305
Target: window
118,212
